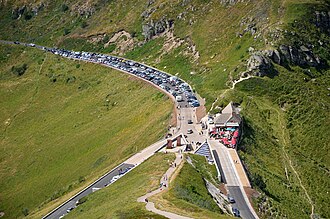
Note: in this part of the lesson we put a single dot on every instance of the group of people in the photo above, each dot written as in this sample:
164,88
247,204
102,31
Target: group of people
227,136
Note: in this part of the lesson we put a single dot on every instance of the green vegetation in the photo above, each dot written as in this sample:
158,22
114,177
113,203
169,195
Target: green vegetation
188,194
206,170
189,186
120,199
65,126
286,126
19,70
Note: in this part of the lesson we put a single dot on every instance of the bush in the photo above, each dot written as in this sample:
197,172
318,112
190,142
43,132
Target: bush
64,7
19,70
66,31
83,24
81,179
15,14
25,211
28,15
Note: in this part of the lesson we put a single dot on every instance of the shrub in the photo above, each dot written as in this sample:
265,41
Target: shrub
19,70
64,7
83,24
81,179
28,15
66,31
25,211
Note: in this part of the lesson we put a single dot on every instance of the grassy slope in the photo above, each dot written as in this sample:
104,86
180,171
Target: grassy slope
295,134
119,199
60,136
188,195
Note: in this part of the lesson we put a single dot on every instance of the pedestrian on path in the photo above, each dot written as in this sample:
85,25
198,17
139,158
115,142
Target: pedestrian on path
146,200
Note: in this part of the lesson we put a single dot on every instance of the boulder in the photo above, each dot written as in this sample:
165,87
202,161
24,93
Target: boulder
152,28
259,64
322,19
230,2
276,57
302,56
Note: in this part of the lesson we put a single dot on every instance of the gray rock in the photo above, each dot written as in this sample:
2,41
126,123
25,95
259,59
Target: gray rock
150,2
148,31
276,57
302,56
152,28
230,2
259,64
322,19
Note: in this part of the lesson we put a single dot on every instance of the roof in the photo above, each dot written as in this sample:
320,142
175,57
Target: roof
229,115
229,108
222,118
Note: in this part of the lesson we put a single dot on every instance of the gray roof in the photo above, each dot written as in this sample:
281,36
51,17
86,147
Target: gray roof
222,118
229,115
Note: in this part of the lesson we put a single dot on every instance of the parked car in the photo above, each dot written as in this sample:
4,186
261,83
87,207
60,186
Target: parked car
190,121
69,209
236,212
189,131
231,199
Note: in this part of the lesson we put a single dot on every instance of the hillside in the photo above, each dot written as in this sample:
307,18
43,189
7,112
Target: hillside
65,123
282,44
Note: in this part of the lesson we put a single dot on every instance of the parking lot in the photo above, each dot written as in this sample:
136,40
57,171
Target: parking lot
180,90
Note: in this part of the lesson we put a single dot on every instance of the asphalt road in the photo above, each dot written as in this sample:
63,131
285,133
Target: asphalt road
100,183
234,185
240,204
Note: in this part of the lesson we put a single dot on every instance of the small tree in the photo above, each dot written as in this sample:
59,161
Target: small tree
25,211
83,24
19,70
64,7
66,31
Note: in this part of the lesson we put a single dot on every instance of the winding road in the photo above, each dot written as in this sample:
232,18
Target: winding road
185,111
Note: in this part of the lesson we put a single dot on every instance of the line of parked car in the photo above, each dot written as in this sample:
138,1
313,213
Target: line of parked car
180,90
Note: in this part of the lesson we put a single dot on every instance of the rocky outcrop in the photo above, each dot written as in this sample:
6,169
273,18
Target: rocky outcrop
28,10
231,2
154,28
322,20
301,56
259,64
86,9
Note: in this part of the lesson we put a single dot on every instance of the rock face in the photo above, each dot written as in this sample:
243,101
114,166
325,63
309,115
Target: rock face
322,20
86,9
259,64
302,56
154,28
230,2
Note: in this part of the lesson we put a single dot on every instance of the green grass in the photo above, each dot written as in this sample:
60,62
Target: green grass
56,137
193,191
207,171
188,195
288,115
119,199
